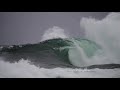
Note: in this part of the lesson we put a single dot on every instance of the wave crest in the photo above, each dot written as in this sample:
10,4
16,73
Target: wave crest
54,32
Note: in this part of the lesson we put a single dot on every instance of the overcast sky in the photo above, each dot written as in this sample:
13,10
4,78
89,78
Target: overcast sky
28,27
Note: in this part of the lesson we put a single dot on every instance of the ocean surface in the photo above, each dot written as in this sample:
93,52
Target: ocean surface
57,55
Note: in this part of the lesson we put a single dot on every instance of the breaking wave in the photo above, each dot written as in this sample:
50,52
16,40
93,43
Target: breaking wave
99,48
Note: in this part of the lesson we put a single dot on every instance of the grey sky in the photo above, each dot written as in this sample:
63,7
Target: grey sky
28,27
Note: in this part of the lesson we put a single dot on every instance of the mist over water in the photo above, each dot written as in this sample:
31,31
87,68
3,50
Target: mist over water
106,33
100,45
54,32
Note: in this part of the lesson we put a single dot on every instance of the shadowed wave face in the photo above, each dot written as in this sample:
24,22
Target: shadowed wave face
49,51
68,52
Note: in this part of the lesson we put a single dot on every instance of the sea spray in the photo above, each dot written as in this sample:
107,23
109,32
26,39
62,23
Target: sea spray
54,32
106,33
77,55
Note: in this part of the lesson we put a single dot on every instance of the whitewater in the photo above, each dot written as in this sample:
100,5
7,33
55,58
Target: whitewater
24,69
99,46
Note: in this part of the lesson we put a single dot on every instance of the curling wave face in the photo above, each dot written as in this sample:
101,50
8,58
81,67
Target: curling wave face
62,49
70,52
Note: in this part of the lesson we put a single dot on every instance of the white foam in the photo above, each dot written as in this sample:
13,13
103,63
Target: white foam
55,32
77,56
23,69
106,33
